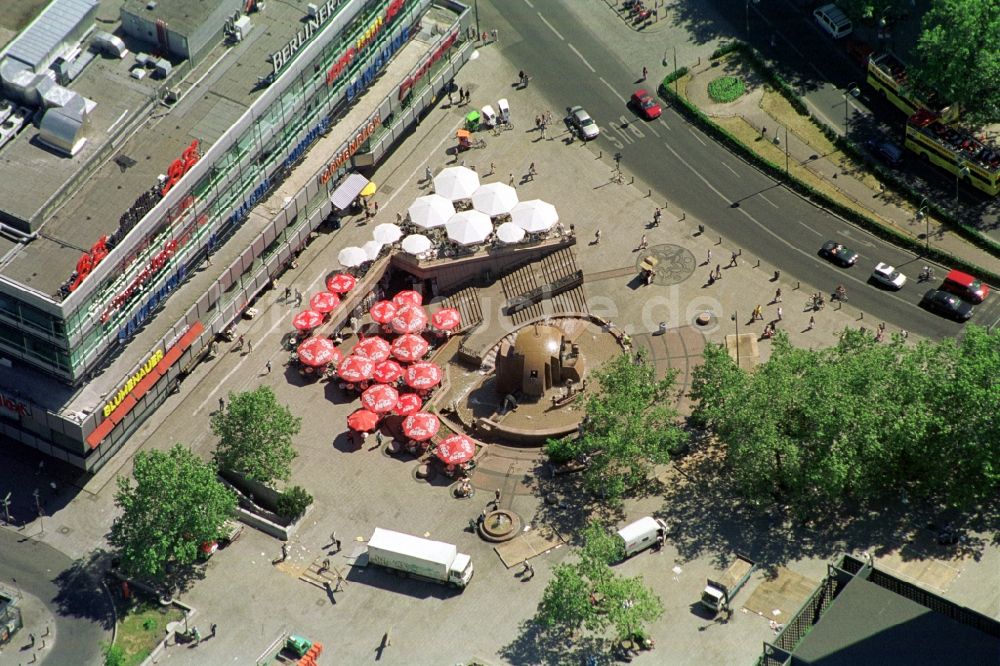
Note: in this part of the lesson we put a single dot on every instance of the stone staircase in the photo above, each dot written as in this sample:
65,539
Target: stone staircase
518,282
466,301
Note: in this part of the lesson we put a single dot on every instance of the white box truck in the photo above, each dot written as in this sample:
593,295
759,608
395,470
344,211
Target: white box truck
422,558
642,534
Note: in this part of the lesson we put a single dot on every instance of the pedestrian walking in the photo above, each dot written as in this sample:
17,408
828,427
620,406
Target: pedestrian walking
643,243
538,122
288,294
718,271
215,629
708,258
812,322
645,72
428,174
325,566
249,347
496,35
461,95
732,259
656,217
780,312
386,640
597,237
298,298
375,212
222,405
531,170
468,95
239,343
340,580
378,437
496,498
449,98
493,169
510,180
759,312
528,572
777,295
267,366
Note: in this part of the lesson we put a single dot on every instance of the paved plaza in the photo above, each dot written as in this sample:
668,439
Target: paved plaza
254,601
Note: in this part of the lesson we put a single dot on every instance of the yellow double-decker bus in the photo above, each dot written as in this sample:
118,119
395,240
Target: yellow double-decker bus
887,75
954,149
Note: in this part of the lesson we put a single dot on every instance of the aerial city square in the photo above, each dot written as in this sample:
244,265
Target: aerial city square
482,332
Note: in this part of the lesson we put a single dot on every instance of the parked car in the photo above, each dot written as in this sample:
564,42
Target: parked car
838,254
584,124
965,286
947,305
833,21
645,105
885,151
887,276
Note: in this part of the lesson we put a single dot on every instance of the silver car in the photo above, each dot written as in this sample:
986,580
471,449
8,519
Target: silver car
888,276
582,121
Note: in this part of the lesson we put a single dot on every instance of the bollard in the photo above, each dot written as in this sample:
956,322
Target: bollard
796,284
649,192
600,154
720,241
684,217
861,315
777,275
631,180
757,265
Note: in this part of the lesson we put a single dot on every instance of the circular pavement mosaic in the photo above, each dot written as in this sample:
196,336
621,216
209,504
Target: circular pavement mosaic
674,263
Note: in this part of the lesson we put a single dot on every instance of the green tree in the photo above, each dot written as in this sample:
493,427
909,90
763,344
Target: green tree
630,426
176,505
858,421
872,10
958,55
255,436
587,594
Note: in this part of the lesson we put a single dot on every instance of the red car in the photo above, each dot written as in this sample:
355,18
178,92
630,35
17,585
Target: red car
645,105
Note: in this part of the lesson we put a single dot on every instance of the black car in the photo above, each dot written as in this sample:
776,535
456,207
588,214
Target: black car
886,151
838,254
945,304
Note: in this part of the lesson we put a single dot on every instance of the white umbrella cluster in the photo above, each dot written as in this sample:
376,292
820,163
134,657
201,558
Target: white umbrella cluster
534,216
432,210
454,183
494,199
469,227
416,244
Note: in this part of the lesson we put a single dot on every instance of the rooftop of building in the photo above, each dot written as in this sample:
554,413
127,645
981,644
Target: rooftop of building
213,95
869,624
184,16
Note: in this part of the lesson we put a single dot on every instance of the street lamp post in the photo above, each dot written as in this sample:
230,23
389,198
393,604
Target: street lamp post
853,91
961,172
922,215
736,320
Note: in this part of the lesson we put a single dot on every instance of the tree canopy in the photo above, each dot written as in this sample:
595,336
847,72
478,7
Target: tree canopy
959,56
630,425
255,436
859,421
176,505
587,594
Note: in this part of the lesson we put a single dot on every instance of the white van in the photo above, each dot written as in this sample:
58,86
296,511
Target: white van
642,534
833,20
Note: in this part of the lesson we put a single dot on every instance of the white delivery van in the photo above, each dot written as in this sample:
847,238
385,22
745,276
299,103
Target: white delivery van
642,534
833,21
422,558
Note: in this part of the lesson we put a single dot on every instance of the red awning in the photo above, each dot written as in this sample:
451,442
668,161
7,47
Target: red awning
121,410
102,430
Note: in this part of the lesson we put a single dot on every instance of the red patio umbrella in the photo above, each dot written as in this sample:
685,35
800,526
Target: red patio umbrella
317,352
387,372
341,283
307,320
409,319
362,420
408,403
409,347
423,375
355,369
380,398
421,426
446,319
455,450
383,312
374,348
324,301
408,296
